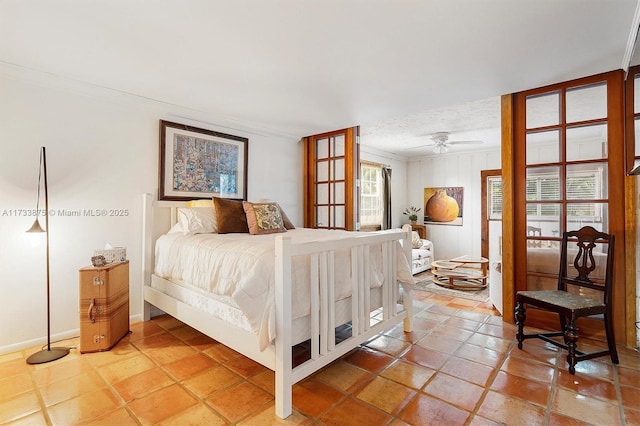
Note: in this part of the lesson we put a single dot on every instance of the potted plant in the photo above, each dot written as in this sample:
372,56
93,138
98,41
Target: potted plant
412,212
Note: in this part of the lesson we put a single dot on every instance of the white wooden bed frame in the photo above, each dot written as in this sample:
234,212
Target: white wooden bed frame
158,216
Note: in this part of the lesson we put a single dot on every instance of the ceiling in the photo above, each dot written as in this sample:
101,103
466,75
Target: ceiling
400,70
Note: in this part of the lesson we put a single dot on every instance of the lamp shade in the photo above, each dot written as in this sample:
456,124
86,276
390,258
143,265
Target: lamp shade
36,227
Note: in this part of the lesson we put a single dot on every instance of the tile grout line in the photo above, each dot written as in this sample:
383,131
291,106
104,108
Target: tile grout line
553,390
616,383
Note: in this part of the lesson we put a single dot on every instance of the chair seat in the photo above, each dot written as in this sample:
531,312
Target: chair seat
569,301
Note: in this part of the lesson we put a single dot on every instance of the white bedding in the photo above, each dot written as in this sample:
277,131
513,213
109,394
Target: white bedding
240,267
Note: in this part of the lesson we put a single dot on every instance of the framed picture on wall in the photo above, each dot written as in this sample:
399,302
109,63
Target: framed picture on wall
200,163
443,205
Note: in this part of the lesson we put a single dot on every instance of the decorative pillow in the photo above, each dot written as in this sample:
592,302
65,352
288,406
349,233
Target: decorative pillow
416,242
200,203
230,216
285,219
197,220
263,218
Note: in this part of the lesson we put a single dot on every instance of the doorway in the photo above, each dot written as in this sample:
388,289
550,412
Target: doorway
491,232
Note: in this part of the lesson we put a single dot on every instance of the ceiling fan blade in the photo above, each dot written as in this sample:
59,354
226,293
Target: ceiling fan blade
464,142
421,146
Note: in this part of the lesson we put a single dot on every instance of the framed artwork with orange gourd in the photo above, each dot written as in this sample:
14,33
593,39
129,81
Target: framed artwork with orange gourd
443,205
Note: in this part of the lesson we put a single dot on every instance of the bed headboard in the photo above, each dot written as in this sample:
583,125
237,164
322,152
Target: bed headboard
155,222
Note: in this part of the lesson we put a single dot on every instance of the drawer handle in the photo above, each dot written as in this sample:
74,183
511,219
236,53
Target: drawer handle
90,312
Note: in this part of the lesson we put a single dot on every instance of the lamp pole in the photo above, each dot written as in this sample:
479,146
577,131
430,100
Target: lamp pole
50,354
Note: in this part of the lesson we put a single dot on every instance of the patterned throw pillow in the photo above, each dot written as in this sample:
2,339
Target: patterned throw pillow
263,218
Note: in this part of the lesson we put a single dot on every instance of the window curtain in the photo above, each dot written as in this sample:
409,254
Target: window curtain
386,197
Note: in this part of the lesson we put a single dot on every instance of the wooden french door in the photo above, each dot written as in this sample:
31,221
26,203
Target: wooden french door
568,156
331,175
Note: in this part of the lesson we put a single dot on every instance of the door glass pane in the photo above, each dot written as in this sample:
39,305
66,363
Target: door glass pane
546,217
543,183
339,217
541,227
543,110
587,142
338,193
322,216
583,214
322,171
338,169
542,283
544,260
543,147
322,193
338,146
586,181
322,148
586,103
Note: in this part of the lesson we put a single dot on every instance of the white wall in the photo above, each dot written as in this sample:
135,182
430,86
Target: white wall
453,170
102,153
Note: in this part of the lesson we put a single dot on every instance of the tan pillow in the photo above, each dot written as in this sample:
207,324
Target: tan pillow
230,216
200,203
263,218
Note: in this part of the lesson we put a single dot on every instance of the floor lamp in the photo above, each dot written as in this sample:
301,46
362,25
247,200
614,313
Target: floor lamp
48,354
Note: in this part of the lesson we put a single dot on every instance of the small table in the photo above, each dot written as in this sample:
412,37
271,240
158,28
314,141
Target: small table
420,229
459,274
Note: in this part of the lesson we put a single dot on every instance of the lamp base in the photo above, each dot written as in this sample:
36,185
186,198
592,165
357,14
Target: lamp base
47,355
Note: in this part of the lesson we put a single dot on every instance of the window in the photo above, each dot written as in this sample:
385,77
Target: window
495,197
371,208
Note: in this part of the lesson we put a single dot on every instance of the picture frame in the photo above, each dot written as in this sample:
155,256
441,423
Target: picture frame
200,163
446,206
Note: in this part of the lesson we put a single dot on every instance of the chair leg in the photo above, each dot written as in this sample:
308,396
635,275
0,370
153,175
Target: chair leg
563,327
571,337
520,318
611,341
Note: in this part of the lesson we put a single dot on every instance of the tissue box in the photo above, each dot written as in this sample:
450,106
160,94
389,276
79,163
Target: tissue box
115,254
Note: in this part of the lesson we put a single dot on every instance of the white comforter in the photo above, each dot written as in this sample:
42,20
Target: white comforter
242,266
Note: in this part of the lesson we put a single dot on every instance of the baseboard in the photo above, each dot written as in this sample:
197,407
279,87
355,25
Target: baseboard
69,334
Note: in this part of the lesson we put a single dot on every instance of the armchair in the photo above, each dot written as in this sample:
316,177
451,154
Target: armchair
421,252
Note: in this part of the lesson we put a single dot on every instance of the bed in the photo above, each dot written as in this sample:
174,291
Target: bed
311,284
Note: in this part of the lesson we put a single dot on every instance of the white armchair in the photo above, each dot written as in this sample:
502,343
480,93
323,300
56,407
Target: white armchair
421,253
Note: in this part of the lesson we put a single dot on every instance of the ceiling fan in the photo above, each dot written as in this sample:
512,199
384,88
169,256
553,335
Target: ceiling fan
441,142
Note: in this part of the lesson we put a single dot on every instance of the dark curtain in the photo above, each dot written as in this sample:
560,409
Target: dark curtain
386,197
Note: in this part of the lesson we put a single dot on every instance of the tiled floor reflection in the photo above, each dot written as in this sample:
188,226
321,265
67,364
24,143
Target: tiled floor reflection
460,366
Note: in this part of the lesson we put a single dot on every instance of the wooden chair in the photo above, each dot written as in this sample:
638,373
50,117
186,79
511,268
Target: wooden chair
571,305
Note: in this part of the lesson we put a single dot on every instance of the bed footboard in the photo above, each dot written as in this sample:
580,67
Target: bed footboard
364,324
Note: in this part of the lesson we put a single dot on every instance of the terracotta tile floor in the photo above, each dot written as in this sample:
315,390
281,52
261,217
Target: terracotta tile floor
460,366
